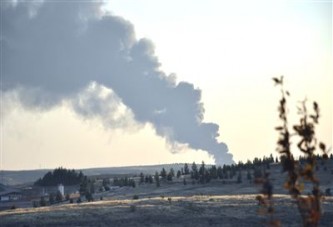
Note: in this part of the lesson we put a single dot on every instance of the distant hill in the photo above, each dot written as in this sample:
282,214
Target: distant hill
29,176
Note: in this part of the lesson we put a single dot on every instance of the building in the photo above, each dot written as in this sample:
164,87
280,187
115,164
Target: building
10,195
61,189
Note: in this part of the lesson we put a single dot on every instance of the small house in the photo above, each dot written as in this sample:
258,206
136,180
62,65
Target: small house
10,195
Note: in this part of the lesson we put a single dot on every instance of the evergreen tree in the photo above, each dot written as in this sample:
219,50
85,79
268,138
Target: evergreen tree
157,179
132,183
84,186
202,179
194,167
51,198
150,179
225,172
106,182
142,178
249,177
169,176
89,197
271,159
207,176
220,172
125,182
257,173
239,177
42,201
115,181
268,166
163,173
232,171
186,169
59,197
172,172
178,173
213,172
194,173
202,169
92,187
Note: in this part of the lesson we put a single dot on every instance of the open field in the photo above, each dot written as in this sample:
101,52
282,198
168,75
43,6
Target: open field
169,205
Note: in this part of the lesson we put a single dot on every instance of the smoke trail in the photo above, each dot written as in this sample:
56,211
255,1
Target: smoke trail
59,48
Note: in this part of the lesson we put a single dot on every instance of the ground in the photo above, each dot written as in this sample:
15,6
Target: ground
200,205
175,205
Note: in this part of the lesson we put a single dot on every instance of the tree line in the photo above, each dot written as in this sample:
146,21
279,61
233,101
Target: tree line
60,176
203,174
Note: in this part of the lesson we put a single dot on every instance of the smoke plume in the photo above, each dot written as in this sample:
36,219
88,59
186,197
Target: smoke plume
59,48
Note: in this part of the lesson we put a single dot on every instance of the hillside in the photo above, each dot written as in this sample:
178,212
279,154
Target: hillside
173,205
29,176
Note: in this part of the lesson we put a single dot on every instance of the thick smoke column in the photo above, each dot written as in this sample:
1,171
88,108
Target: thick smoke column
58,48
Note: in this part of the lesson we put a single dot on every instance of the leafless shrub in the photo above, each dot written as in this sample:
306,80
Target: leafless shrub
309,206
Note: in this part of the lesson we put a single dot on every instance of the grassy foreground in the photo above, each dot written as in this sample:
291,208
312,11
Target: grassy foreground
200,210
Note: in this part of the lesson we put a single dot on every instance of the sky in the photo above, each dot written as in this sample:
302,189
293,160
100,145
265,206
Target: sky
121,82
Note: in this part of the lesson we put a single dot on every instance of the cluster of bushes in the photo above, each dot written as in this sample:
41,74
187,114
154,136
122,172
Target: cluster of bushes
53,198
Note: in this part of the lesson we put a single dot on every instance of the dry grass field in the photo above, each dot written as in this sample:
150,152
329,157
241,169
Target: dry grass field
174,204
203,209
229,210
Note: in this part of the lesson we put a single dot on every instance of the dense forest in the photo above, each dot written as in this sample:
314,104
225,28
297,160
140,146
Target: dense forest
60,176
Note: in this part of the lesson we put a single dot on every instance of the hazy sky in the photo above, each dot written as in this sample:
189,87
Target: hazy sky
85,84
